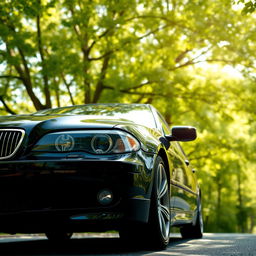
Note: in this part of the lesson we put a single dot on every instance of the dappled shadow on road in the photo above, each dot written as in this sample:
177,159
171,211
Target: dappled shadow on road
73,247
210,245
85,246
77,246
214,244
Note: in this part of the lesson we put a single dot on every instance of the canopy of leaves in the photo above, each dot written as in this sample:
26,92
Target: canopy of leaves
249,6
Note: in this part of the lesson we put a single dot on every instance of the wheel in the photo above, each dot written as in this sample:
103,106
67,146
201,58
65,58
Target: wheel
158,227
58,236
154,234
194,231
159,218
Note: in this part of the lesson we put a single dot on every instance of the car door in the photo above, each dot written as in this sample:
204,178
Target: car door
184,185
165,130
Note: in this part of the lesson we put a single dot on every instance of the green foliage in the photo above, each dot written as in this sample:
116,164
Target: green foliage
193,60
249,6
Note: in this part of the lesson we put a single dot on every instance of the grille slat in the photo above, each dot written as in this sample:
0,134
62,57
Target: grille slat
7,144
1,144
10,141
13,146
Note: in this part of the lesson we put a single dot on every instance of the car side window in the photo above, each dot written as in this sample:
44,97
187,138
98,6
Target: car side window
165,126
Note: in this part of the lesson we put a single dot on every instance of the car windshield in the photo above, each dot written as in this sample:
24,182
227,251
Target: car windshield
137,113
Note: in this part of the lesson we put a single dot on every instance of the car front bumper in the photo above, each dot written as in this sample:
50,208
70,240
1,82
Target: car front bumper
37,194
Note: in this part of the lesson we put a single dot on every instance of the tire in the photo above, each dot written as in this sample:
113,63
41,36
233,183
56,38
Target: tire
154,234
194,231
58,236
159,219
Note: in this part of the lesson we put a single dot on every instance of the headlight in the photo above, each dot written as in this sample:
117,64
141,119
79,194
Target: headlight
95,142
101,143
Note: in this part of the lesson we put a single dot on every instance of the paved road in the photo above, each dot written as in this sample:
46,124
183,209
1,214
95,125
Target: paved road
109,244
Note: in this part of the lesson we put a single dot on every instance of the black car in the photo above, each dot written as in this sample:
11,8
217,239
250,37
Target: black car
97,167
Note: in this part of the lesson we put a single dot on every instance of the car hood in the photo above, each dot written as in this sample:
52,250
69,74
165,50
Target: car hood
46,122
36,126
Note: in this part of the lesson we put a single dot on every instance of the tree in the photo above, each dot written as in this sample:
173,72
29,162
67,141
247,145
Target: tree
249,5
91,50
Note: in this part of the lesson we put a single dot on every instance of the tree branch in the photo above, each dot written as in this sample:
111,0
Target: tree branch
11,77
138,93
108,30
139,86
7,108
102,56
68,88
99,37
181,56
25,78
191,62
128,42
145,94
164,18
27,81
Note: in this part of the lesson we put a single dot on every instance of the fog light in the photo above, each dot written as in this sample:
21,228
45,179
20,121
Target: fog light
105,197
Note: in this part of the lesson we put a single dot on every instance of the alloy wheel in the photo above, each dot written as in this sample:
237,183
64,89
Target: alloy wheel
163,201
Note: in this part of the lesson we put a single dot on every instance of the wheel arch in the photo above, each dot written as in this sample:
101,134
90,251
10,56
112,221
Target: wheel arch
163,155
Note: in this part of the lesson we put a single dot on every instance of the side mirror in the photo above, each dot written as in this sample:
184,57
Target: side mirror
182,133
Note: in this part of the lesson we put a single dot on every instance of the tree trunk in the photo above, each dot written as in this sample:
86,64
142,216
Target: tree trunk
218,210
100,84
87,85
44,70
57,92
241,211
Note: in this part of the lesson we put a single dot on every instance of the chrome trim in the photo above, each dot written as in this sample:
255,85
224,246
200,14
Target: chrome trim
13,139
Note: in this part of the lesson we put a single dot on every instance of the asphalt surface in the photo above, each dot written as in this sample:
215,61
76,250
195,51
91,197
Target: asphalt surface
109,244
